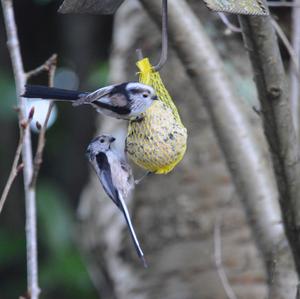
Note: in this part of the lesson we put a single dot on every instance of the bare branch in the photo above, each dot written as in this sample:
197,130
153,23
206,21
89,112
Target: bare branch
294,73
287,45
30,194
260,40
90,6
219,263
45,67
282,4
15,169
228,24
50,65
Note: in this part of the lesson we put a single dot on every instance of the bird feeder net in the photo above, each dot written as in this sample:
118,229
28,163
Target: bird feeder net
157,143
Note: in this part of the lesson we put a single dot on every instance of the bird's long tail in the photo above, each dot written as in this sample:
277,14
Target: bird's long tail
44,92
132,232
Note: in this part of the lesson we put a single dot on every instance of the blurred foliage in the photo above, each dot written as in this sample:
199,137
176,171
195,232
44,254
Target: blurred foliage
99,76
61,265
8,93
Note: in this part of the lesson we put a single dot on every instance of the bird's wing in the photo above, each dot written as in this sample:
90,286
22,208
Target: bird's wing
118,100
95,95
105,177
107,183
103,99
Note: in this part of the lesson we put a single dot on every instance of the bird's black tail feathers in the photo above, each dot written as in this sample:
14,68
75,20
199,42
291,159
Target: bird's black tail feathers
44,92
136,243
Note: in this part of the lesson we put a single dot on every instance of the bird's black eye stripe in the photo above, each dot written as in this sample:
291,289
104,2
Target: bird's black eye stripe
136,90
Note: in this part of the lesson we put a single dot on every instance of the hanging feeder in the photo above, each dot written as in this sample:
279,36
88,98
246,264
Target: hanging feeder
157,143
245,7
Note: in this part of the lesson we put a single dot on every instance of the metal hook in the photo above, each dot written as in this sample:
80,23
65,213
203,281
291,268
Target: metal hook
164,37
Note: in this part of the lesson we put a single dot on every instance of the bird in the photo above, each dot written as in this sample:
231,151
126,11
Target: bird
116,178
123,101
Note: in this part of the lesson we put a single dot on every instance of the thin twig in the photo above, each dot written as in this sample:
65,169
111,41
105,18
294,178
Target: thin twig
228,24
15,169
219,263
294,76
282,4
46,66
287,44
38,158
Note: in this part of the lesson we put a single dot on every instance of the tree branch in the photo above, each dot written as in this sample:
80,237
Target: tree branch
282,4
50,66
245,158
294,72
30,194
47,66
90,6
15,169
219,263
261,42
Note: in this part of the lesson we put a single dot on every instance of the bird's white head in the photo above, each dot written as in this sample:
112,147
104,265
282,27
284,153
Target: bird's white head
99,144
141,97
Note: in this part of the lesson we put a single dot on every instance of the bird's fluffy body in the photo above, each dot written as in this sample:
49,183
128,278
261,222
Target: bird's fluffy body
116,177
125,101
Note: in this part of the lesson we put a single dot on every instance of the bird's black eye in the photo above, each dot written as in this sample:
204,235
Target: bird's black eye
101,140
145,95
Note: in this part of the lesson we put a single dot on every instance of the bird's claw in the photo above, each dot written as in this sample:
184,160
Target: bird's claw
138,118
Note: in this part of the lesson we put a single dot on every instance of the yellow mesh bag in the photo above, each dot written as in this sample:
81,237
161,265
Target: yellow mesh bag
157,143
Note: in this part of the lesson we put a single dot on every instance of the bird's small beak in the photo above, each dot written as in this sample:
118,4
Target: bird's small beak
112,139
154,98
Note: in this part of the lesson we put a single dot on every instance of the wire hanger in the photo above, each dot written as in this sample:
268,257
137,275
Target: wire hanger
164,39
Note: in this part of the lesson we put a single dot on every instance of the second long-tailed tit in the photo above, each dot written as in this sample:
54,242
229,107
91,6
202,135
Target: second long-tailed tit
125,101
116,177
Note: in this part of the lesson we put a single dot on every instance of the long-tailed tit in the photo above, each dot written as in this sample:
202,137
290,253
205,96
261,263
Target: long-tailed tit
116,177
125,101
